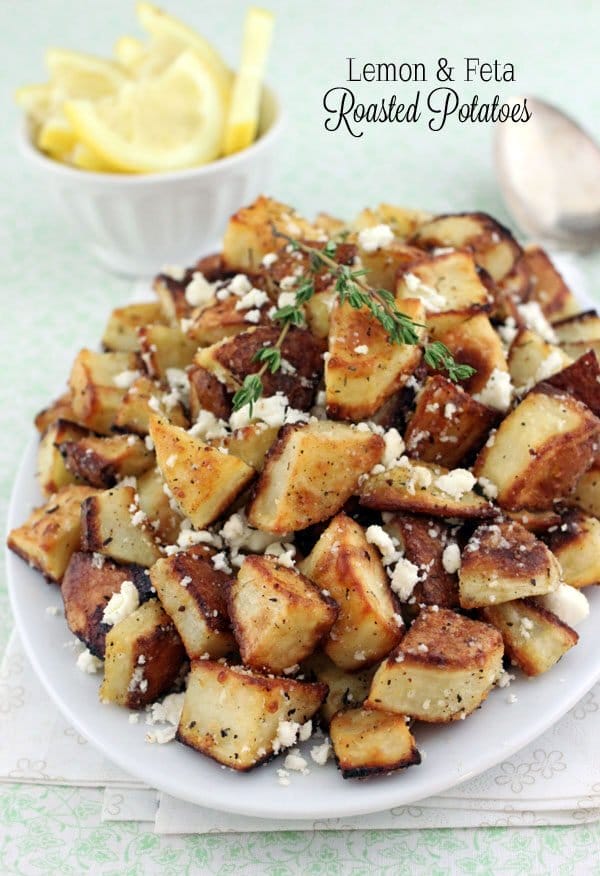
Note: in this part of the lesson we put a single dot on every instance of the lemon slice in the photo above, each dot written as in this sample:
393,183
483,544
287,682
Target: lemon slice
173,121
129,53
145,60
243,117
84,158
56,137
38,101
165,28
84,76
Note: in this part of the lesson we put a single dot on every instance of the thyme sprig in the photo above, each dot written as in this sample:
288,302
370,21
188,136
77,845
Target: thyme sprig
351,287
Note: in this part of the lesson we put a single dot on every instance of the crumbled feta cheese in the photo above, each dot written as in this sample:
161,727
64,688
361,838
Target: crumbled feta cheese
490,490
171,460
199,292
377,536
188,537
239,286
403,580
508,331
533,317
98,560
504,679
137,680
52,610
497,392
422,648
149,443
451,558
284,553
253,298
121,604
126,378
456,483
287,283
287,733
430,297
207,427
221,563
269,259
134,717
237,535
552,364
283,777
567,603
185,581
511,698
376,237
362,349
295,761
175,272
166,711
305,731
394,447
449,410
274,411
88,663
321,753
252,316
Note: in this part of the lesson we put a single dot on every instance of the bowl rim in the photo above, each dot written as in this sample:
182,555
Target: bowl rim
35,155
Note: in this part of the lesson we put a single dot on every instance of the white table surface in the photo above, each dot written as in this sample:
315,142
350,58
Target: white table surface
56,299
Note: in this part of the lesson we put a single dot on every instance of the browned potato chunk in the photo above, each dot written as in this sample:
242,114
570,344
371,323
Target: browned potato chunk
95,396
576,545
303,482
52,473
207,393
203,481
88,584
504,561
424,488
278,616
386,262
535,521
581,380
540,450
474,342
142,399
532,359
112,524
586,494
102,461
155,504
164,347
251,444
232,359
121,332
143,657
349,568
535,639
346,689
234,715
547,287
447,423
192,593
403,221
493,246
369,743
358,383
60,409
581,328
445,283
424,540
442,670
50,535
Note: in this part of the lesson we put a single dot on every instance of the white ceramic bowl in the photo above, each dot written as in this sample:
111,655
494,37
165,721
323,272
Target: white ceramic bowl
134,224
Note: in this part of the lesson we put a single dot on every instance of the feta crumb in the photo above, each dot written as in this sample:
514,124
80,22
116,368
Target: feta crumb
403,580
490,490
208,427
497,392
52,610
286,299
221,563
505,679
430,297
149,443
376,237
126,378
252,316
451,558
166,711
305,731
121,604
568,603
456,483
175,272
362,349
284,552
321,753
88,663
287,733
295,761
533,317
394,447
377,536
171,460
98,560
283,777
199,292
134,717
239,286
185,580
269,259
511,698
253,298
422,647
552,364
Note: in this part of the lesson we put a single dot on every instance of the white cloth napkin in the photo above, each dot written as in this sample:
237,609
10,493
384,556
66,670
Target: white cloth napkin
555,780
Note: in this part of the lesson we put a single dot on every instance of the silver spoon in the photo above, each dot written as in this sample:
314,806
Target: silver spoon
549,174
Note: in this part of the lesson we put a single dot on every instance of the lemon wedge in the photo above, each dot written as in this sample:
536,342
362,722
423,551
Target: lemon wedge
84,158
173,121
129,53
38,101
244,110
56,137
83,76
168,30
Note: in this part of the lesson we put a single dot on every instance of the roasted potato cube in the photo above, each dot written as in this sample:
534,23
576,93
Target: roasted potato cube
535,521
60,409
540,450
143,657
52,473
203,481
447,424
346,689
171,296
386,262
424,541
442,670
547,287
221,320
163,347
102,461
447,282
369,743
581,380
317,311
142,399
232,359
156,505
111,525
251,444
121,332
403,221
579,328
207,393
192,592
303,482
535,639
576,546
233,715
331,225
424,488
88,584
493,246
278,616
474,342
357,384
250,234
586,494
504,561
50,535
532,359
95,396
349,568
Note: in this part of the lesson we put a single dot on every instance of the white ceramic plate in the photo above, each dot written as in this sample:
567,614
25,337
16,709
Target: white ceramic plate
454,752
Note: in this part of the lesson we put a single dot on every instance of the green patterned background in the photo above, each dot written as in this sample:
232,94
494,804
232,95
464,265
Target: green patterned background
56,299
